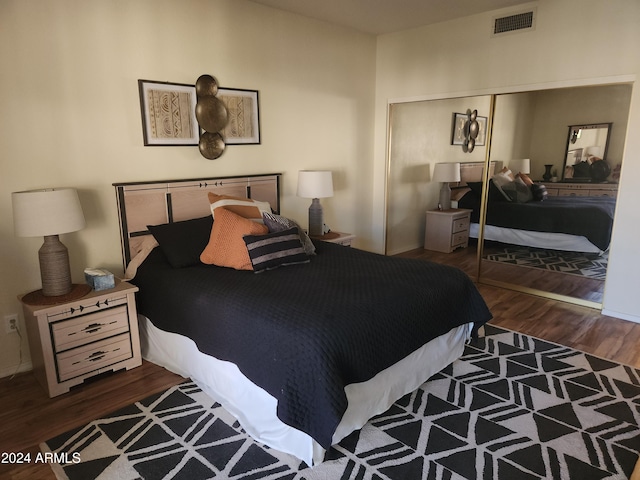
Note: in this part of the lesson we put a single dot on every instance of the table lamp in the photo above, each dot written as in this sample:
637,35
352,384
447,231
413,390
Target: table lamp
520,165
49,213
594,151
445,173
315,184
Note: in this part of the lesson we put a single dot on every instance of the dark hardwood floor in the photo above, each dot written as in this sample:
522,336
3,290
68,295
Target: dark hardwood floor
28,417
575,326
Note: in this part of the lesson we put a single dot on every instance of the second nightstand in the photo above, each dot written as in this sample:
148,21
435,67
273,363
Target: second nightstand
447,230
337,237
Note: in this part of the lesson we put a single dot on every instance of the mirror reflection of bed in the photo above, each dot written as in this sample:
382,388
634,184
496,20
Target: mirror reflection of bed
581,133
536,125
561,240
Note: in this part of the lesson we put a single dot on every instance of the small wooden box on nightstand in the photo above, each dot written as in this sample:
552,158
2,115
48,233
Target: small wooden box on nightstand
82,338
336,237
447,230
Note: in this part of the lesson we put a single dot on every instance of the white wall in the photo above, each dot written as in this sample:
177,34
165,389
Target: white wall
512,128
460,58
71,113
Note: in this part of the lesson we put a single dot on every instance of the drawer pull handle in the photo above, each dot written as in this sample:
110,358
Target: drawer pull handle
93,327
95,356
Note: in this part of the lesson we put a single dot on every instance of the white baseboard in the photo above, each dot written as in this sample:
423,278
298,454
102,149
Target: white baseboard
623,316
9,371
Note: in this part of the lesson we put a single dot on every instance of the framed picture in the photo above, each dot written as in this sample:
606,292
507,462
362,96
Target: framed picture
168,113
459,129
243,127
482,131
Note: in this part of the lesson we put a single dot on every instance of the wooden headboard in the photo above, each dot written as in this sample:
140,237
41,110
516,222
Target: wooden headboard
473,172
165,201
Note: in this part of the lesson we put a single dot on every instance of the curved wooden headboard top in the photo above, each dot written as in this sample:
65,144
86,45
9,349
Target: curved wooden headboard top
165,201
473,172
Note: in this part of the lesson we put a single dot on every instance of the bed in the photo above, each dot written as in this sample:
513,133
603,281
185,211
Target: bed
567,223
304,354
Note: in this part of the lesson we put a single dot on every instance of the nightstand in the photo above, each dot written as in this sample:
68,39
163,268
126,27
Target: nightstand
336,237
81,338
447,230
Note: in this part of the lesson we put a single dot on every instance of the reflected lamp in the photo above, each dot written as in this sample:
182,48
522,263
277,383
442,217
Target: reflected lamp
520,165
446,173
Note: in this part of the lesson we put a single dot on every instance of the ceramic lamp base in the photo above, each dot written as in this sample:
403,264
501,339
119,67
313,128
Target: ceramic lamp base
54,267
315,218
444,202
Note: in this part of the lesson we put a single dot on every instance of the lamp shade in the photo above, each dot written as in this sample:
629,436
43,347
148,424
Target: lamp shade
446,172
39,213
594,151
520,165
315,184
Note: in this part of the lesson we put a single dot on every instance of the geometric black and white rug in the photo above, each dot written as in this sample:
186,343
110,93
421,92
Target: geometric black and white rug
513,407
591,265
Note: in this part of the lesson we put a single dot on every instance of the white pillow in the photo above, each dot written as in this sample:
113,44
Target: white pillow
501,179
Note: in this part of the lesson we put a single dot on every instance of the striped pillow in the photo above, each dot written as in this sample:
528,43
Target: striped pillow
277,223
275,250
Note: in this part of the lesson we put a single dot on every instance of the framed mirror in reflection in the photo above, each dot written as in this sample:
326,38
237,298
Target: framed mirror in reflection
586,153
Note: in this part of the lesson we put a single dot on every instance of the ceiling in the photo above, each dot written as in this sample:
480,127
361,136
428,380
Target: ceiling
387,16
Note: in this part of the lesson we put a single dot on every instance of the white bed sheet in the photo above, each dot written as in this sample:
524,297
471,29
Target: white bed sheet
255,409
527,238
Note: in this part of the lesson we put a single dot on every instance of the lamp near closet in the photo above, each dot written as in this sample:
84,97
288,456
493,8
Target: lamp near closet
446,173
48,213
520,165
315,184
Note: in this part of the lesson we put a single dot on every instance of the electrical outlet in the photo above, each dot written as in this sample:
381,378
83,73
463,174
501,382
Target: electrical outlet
11,323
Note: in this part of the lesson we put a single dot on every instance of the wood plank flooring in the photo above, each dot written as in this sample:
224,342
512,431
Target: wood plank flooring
28,417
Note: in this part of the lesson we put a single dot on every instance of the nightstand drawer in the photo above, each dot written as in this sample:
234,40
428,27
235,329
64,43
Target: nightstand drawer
89,328
460,224
461,238
94,356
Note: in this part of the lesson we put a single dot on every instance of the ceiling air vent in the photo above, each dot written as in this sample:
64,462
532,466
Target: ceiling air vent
514,23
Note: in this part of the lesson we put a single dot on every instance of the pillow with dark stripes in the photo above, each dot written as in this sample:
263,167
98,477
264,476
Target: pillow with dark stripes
275,250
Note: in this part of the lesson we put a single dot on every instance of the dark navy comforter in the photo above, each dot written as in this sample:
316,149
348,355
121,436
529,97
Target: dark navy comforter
304,332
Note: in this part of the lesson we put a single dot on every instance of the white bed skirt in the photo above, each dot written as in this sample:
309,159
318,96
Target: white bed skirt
255,409
526,238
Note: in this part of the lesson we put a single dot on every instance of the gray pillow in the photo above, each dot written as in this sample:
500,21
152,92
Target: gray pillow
278,223
518,191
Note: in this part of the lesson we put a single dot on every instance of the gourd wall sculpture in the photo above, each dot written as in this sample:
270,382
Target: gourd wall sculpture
212,116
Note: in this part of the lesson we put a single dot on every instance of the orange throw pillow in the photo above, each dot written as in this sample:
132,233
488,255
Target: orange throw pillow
526,179
226,247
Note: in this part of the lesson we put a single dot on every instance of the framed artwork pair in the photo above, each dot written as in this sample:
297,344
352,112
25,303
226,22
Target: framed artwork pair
169,119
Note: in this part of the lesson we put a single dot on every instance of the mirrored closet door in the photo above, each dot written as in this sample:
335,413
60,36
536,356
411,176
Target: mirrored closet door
421,135
554,240
568,140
